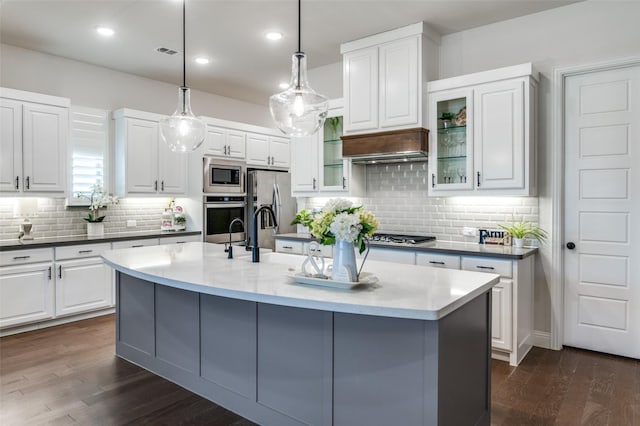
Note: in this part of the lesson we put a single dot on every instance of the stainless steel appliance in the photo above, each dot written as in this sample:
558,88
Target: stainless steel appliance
273,189
401,239
219,212
223,176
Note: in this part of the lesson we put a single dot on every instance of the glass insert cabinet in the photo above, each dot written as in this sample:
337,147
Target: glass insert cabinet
334,167
451,145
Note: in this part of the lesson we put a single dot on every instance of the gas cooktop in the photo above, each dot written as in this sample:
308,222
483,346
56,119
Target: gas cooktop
401,239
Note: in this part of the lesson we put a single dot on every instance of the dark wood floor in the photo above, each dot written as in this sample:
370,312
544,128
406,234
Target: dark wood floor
69,374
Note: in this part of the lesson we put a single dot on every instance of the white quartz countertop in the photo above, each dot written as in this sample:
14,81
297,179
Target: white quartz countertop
402,291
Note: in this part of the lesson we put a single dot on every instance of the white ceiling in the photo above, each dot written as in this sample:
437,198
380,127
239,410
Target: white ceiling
245,65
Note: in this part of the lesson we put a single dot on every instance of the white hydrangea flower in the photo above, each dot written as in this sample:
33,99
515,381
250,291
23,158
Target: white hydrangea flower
336,205
346,226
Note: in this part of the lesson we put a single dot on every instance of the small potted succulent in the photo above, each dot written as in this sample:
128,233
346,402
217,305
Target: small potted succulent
521,230
446,118
179,223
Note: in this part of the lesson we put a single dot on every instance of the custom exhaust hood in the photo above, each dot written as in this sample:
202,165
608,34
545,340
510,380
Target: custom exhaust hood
387,147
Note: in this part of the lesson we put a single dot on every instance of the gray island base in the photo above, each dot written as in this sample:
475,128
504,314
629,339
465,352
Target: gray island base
279,362
279,365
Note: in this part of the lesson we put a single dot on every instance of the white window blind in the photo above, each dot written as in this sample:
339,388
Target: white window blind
89,137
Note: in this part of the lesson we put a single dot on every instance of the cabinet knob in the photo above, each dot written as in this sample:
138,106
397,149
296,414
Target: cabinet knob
571,245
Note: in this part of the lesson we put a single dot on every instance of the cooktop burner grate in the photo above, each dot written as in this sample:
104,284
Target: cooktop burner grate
401,239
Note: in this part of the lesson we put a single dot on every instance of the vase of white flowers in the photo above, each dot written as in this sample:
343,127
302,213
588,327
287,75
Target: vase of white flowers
97,199
344,225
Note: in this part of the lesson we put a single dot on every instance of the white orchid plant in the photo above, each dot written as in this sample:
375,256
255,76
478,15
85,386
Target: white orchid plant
98,199
339,220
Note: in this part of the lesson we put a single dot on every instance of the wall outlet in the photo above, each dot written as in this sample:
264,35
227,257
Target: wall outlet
131,223
469,232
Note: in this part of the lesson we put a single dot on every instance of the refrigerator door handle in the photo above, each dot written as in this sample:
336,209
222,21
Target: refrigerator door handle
278,207
275,205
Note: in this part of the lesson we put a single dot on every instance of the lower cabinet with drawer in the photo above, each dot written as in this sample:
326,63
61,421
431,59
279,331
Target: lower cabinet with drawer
289,246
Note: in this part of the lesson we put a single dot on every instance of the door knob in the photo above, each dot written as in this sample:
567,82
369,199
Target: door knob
571,245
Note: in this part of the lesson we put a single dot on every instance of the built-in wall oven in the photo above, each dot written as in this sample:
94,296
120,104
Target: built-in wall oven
223,176
219,212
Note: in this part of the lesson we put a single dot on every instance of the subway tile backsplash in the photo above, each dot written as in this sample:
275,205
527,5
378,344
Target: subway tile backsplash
54,219
397,194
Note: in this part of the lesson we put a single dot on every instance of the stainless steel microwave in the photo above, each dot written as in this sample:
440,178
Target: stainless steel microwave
223,176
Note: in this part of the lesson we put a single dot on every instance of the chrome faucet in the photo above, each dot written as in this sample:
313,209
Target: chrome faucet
255,249
230,248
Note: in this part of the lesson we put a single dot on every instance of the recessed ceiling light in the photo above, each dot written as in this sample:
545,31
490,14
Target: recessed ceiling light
105,31
202,60
273,35
284,85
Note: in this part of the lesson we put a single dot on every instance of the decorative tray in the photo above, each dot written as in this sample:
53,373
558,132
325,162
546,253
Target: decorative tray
302,278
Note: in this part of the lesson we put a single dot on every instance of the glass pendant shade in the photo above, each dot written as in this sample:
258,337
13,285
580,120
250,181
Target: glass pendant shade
299,110
183,131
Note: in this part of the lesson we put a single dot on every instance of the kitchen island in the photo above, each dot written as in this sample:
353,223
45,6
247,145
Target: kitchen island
413,348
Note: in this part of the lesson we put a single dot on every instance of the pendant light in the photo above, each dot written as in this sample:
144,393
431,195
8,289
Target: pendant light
299,110
183,131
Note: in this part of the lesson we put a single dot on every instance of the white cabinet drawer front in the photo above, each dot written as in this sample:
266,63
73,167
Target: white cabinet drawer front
390,255
19,257
180,240
481,264
288,246
135,243
324,251
81,250
26,294
438,260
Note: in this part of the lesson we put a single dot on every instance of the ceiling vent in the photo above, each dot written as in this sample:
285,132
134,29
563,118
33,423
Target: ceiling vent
166,51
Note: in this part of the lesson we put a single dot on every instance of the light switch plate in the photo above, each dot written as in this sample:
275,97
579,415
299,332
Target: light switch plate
131,223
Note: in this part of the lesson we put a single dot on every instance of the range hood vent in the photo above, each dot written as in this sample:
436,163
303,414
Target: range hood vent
387,147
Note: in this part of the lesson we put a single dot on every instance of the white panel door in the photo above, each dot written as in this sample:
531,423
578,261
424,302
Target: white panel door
360,75
44,147
172,171
499,151
215,142
602,205
82,285
304,164
142,156
257,150
236,144
26,293
280,152
10,145
399,83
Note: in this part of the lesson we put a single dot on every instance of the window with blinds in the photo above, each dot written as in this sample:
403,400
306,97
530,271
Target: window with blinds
88,149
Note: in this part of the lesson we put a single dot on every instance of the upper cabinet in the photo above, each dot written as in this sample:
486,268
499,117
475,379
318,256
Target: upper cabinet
317,165
223,142
383,77
144,165
484,141
34,129
268,151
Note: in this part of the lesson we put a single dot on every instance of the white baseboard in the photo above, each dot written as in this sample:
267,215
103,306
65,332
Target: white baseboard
56,321
542,339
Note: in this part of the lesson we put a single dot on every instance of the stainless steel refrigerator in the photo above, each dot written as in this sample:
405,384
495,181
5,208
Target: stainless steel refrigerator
272,188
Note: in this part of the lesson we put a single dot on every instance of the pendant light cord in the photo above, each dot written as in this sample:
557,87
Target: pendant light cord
299,26
299,55
184,46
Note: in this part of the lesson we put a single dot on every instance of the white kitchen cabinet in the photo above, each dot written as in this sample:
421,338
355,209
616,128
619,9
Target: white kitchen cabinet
181,239
407,257
493,151
26,286
289,246
225,143
317,165
83,285
383,78
145,242
436,260
34,129
268,151
144,164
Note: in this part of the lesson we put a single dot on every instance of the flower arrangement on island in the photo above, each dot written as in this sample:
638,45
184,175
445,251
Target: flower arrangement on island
97,199
339,220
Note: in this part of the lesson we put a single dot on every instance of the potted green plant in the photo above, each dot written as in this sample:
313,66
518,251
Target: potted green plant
446,118
334,122
179,223
97,199
520,230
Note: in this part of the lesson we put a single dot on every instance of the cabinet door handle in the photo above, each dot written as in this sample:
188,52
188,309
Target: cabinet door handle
180,242
84,251
433,180
485,267
314,183
60,271
162,186
155,185
344,182
224,149
17,182
436,263
28,182
20,257
49,275
136,246
287,247
478,179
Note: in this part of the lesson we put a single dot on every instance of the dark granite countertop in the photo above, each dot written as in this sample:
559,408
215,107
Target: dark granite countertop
6,245
444,247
